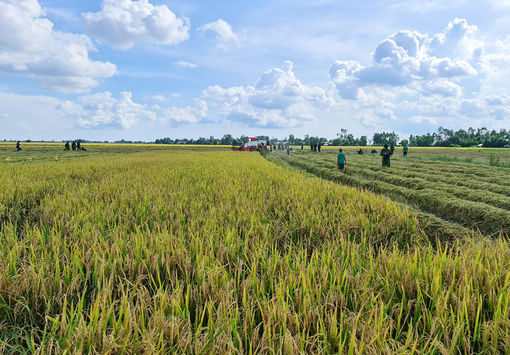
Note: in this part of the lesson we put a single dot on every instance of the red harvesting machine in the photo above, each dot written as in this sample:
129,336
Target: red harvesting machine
252,145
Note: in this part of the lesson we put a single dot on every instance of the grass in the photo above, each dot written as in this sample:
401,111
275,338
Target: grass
222,252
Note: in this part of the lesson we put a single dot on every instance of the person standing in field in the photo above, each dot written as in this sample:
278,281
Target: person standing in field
319,147
386,156
392,149
18,146
341,160
405,149
288,149
66,146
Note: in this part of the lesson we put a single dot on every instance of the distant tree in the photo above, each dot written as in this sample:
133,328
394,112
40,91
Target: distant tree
422,141
389,138
363,141
227,139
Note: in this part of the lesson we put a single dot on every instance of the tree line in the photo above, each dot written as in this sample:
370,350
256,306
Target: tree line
342,139
471,137
443,137
481,137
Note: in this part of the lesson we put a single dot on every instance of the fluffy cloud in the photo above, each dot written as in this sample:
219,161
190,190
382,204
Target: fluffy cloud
418,79
123,23
59,60
444,88
409,56
223,31
185,115
278,99
103,110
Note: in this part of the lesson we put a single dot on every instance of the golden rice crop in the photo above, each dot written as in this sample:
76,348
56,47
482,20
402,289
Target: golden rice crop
223,252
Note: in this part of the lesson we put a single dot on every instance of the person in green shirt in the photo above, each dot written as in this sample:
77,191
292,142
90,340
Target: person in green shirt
406,149
386,156
341,160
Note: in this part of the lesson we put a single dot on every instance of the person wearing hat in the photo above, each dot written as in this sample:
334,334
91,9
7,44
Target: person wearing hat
386,155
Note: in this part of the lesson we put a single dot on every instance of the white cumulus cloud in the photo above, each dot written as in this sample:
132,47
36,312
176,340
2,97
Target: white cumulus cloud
447,78
278,99
101,110
443,88
223,31
409,56
185,115
60,60
123,23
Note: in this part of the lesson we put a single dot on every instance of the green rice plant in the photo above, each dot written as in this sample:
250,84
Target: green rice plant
494,160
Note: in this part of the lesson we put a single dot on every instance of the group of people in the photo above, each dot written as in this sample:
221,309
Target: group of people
385,153
314,147
75,145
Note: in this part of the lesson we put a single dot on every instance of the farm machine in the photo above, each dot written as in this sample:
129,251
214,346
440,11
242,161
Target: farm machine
253,144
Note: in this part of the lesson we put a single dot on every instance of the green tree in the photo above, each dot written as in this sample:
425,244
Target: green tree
389,138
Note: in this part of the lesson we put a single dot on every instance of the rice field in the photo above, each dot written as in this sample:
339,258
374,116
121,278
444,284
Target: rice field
449,192
180,251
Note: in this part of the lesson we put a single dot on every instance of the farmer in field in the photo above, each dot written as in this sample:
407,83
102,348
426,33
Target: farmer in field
360,151
66,146
405,149
386,155
73,145
392,149
341,160
18,147
319,147
78,145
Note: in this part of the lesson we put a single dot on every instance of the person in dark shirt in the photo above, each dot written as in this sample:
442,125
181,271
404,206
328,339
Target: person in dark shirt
66,146
319,147
386,156
18,147
73,145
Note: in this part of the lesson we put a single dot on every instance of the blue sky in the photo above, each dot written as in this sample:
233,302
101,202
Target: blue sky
142,70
